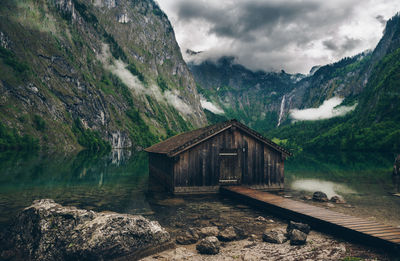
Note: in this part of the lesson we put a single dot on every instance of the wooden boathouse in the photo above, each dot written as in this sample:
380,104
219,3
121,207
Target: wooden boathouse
227,153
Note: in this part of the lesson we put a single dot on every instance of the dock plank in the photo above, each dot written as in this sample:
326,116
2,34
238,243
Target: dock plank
343,224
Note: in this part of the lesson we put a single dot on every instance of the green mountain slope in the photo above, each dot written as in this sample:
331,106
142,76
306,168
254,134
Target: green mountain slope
82,73
253,97
375,124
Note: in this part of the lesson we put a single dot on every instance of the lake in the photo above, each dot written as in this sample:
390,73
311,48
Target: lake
119,182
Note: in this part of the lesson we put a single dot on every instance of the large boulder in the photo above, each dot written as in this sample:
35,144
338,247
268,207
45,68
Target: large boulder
299,226
320,196
209,246
276,236
48,231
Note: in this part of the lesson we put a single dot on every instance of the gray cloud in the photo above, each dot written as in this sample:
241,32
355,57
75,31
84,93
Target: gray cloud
278,34
381,19
330,44
350,44
341,46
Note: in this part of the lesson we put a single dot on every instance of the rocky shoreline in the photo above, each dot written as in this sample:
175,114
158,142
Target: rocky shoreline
205,228
224,216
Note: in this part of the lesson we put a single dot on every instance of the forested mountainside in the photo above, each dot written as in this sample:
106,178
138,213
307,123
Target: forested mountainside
369,82
92,74
253,97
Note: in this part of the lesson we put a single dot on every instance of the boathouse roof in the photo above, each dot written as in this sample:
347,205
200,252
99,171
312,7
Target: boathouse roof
182,142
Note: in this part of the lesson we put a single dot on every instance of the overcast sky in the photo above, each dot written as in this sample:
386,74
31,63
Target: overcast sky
293,35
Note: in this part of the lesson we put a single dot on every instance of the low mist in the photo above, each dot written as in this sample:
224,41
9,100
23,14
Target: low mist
210,106
329,109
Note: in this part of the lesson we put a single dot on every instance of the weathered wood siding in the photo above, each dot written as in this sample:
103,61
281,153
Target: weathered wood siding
161,170
199,166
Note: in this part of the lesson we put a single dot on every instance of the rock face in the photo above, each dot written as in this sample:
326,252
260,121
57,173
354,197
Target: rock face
276,236
48,231
133,95
209,246
320,196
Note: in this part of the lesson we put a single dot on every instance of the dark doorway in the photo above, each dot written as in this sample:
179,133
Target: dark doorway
229,167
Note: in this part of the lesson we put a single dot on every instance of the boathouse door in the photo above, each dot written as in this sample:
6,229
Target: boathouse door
229,167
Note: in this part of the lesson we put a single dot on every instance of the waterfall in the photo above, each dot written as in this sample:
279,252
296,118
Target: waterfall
281,111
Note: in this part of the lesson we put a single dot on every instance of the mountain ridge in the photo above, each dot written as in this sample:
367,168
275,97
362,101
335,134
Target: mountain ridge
93,72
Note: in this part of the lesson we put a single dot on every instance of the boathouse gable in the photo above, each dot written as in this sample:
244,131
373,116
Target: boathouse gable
227,153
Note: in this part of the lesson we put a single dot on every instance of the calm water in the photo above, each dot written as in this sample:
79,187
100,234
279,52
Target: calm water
119,182
364,180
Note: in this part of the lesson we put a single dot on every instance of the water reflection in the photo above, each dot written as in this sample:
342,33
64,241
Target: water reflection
116,181
119,182
364,180
396,182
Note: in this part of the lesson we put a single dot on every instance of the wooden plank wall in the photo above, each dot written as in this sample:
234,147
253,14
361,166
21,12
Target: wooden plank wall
261,165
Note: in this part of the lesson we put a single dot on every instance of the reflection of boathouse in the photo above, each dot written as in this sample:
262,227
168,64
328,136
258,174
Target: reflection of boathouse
227,153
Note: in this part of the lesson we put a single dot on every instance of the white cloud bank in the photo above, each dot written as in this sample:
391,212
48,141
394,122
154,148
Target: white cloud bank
329,109
210,106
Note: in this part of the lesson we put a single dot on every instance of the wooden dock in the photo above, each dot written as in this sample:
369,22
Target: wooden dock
342,225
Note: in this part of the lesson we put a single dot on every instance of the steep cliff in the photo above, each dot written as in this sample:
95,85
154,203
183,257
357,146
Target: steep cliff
75,72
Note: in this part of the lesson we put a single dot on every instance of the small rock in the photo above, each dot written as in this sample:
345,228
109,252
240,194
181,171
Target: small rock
209,246
320,196
252,237
260,218
188,238
299,226
271,221
297,237
228,234
330,205
338,200
208,231
306,198
240,233
276,236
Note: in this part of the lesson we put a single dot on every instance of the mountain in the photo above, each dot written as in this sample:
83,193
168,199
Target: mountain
375,123
253,97
368,85
83,73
